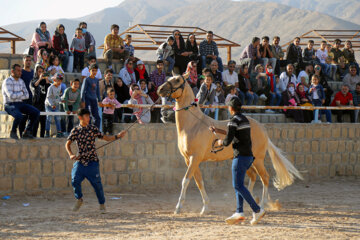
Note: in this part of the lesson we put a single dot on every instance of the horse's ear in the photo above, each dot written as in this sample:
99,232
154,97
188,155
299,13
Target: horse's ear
186,75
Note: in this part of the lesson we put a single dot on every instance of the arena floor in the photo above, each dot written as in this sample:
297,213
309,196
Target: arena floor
320,210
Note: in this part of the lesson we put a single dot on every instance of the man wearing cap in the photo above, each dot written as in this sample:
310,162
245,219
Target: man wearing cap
239,135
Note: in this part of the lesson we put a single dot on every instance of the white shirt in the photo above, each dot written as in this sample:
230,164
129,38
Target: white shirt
284,81
86,73
322,55
306,76
230,78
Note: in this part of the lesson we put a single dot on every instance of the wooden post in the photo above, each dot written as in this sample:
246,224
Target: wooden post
228,53
13,50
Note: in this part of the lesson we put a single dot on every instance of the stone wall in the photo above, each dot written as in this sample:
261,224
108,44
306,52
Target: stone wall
148,157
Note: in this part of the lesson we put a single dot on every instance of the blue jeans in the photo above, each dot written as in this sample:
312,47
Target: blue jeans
65,59
92,173
17,109
273,97
205,60
272,61
317,103
49,119
240,165
93,104
66,120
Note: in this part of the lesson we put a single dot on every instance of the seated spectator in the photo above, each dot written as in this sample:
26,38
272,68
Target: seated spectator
304,101
140,72
123,96
349,55
71,103
209,51
323,81
90,43
193,76
322,55
258,82
41,40
343,98
245,87
356,100
231,94
77,47
278,54
14,93
273,93
157,77
143,86
181,55
335,50
290,98
85,73
317,96
107,83
266,52
330,62
309,54
110,104
294,54
129,47
139,97
217,75
127,73
114,47
61,46
229,76
342,68
305,75
54,66
165,52
251,54
52,104
191,46
351,79
200,81
287,77
206,94
219,94
43,59
39,86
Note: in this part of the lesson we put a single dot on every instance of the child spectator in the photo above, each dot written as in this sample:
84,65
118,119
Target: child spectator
192,70
55,66
71,102
107,83
232,93
130,48
158,76
143,86
200,81
43,59
86,71
317,96
139,97
78,48
165,52
90,94
220,113
109,104
206,94
275,96
52,104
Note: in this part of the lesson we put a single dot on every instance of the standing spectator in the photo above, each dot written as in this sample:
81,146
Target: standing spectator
127,73
114,47
193,76
343,98
165,52
317,96
229,76
43,59
356,100
52,104
61,45
139,97
129,47
290,98
351,79
71,102
294,54
305,75
41,39
90,42
90,94
278,54
323,81
85,73
140,72
209,51
206,94
266,52
78,49
349,55
274,94
110,104
245,87
181,55
158,75
123,96
258,82
309,54
14,93
191,46
217,75
337,53
251,54
286,77
39,87
106,83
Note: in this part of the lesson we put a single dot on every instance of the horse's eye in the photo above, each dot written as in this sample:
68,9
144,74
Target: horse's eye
178,80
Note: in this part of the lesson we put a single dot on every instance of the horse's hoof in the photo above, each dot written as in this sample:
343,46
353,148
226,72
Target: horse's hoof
177,211
203,210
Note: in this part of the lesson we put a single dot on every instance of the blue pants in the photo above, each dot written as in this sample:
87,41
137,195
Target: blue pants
251,99
317,103
64,57
17,109
240,165
205,60
93,104
49,119
273,97
92,174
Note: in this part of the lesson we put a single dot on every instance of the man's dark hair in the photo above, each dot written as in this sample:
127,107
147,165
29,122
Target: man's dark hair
210,32
337,41
266,38
83,111
93,66
142,80
27,56
91,58
311,41
114,26
276,37
255,39
82,23
128,36
324,41
231,62
13,67
109,70
75,80
297,38
159,61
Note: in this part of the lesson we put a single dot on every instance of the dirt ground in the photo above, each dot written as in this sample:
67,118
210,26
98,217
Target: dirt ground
319,210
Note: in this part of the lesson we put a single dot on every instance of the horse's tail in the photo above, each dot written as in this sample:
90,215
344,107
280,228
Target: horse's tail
284,169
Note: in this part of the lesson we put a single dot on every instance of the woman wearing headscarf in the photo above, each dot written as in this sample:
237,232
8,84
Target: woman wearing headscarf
290,98
139,97
41,39
127,73
193,76
123,96
61,45
181,55
304,101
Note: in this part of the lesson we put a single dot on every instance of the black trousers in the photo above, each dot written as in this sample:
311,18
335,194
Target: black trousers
79,60
340,113
108,120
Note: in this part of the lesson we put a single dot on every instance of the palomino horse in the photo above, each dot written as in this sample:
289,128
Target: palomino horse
195,144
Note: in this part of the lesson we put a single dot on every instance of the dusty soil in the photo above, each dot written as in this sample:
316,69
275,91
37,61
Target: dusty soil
320,210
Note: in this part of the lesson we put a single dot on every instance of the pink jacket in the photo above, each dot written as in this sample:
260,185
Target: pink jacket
115,102
37,43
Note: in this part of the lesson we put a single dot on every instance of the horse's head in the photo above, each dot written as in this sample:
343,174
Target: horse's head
173,87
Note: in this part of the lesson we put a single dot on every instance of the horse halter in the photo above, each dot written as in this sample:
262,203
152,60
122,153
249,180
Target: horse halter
172,89
214,148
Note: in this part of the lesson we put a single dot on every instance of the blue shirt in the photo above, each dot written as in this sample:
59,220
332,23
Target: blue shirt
27,77
90,89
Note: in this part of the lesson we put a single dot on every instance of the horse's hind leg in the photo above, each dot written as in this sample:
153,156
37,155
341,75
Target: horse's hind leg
264,176
251,172
200,183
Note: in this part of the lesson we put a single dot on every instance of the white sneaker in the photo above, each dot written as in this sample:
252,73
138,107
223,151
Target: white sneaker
235,218
269,111
263,97
257,216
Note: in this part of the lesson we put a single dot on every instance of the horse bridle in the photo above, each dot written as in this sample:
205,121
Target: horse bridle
173,90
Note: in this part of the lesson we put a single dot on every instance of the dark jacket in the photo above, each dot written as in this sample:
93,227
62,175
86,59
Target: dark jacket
242,83
293,54
60,45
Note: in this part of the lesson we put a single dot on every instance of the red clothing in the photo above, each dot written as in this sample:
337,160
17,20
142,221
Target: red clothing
344,100
57,45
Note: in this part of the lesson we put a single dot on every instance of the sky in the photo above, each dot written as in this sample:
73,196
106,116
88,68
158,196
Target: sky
15,11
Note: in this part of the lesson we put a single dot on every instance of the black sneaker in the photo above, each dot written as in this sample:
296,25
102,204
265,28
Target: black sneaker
14,135
27,135
59,135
